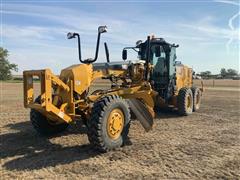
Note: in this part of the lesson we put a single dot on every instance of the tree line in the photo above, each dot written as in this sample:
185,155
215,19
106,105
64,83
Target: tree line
223,74
6,67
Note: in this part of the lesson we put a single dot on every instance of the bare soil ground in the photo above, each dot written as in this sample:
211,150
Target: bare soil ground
203,145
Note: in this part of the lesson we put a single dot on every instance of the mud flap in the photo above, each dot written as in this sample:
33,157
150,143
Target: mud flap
142,113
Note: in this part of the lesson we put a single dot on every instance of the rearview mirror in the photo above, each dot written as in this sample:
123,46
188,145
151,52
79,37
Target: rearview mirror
158,51
70,35
102,29
124,54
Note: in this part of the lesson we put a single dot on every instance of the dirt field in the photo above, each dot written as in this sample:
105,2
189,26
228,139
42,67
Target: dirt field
211,83
203,145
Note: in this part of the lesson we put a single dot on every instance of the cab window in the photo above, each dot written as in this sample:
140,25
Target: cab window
154,56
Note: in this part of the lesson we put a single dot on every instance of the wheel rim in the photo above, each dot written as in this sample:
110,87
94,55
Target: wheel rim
115,123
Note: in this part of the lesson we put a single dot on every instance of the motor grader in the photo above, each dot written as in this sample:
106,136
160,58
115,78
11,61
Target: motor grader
138,87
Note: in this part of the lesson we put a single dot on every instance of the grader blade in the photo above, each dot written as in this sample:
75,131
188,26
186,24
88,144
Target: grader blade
142,113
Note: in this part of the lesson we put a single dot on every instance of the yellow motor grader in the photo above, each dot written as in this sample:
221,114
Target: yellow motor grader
138,87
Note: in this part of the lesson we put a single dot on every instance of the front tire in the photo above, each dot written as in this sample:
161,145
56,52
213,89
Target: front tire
185,101
43,125
109,124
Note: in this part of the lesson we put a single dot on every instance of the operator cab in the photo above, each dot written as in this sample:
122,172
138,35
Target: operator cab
162,56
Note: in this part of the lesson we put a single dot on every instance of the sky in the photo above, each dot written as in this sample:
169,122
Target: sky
34,32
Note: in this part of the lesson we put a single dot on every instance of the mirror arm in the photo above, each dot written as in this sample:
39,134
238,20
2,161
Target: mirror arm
96,53
133,48
90,60
79,48
97,47
107,52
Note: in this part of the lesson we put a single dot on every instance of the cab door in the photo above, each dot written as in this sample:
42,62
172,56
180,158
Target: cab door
160,69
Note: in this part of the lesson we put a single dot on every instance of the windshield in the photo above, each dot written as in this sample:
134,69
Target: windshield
153,53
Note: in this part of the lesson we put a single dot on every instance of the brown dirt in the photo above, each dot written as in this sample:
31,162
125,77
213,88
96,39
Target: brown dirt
203,145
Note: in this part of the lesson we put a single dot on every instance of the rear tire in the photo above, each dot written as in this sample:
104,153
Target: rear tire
196,98
185,101
109,124
42,125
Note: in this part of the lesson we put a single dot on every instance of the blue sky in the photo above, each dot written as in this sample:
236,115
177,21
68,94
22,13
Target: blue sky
35,32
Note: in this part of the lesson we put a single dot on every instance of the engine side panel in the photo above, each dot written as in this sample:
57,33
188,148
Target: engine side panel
81,75
183,77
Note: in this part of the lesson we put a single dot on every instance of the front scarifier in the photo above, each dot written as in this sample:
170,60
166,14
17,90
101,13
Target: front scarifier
153,81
